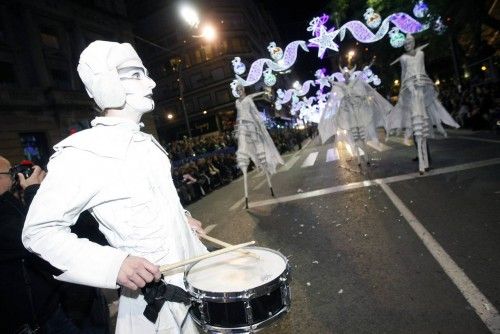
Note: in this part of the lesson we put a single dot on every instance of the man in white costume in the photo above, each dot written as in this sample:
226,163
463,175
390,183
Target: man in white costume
418,109
254,142
122,176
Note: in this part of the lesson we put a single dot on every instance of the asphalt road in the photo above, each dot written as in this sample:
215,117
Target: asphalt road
379,249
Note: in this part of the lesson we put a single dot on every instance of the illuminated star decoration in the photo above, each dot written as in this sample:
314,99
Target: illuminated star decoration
324,41
321,79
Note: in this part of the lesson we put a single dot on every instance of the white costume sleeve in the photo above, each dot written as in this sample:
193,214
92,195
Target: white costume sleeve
327,126
73,184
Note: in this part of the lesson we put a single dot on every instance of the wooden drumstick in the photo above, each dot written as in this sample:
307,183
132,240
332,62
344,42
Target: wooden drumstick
225,244
168,267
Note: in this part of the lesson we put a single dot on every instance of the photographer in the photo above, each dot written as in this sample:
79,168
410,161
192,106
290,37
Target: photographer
29,296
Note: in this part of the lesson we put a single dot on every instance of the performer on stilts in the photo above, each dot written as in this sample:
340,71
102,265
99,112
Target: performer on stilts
254,142
418,109
360,111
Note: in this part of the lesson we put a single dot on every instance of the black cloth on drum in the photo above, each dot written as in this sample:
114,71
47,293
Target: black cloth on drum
157,293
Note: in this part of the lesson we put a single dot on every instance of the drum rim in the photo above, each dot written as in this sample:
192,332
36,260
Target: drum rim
243,329
243,295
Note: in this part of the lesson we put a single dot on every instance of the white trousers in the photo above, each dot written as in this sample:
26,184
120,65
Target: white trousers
131,319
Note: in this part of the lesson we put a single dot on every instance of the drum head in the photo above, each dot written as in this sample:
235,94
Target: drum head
235,271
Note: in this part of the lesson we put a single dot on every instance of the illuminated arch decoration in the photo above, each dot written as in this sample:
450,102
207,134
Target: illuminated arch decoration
257,68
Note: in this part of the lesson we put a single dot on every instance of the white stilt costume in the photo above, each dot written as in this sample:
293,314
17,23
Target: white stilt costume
254,142
418,109
353,113
121,175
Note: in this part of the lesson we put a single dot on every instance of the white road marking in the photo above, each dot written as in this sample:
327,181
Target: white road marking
483,307
476,139
400,140
261,183
350,151
289,164
209,228
237,204
311,158
368,183
332,154
378,146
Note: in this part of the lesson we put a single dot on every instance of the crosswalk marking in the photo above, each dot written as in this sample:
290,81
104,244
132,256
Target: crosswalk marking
402,140
289,164
378,146
350,151
332,154
310,160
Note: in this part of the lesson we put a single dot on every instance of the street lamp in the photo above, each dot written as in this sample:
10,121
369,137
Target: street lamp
190,16
350,54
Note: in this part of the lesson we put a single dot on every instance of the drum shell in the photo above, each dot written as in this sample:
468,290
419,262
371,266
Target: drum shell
241,311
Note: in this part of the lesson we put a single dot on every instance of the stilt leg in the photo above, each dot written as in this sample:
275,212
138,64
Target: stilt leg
268,177
421,167
425,154
245,182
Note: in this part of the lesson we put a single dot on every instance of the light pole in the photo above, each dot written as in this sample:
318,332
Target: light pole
190,16
177,65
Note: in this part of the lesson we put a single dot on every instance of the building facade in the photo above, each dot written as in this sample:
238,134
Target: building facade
198,85
42,99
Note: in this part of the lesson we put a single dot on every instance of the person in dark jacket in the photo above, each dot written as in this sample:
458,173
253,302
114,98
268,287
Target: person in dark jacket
29,295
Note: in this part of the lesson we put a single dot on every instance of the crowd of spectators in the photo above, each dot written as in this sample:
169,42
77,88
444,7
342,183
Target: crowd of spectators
474,108
203,164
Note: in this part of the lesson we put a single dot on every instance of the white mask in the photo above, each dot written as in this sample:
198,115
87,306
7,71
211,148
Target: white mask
409,43
138,89
115,77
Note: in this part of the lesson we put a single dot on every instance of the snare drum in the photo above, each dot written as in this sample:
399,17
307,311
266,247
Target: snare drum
239,293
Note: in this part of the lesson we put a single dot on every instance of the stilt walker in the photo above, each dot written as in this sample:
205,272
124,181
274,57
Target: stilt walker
360,110
418,109
254,142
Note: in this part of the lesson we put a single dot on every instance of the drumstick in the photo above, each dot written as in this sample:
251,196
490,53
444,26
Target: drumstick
225,244
168,267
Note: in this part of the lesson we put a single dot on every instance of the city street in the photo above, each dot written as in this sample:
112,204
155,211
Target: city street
381,250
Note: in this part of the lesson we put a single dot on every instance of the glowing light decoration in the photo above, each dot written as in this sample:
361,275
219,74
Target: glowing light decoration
233,86
372,19
421,9
321,79
275,51
439,26
304,89
397,39
269,78
316,23
324,41
257,67
238,67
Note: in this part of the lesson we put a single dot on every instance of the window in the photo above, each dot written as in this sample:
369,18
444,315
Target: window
204,101
49,37
2,31
238,45
222,96
195,80
7,74
223,47
218,73
197,57
208,52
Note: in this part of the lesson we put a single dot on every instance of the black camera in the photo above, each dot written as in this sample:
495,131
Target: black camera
25,169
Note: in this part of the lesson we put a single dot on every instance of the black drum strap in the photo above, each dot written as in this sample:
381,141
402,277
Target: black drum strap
157,293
